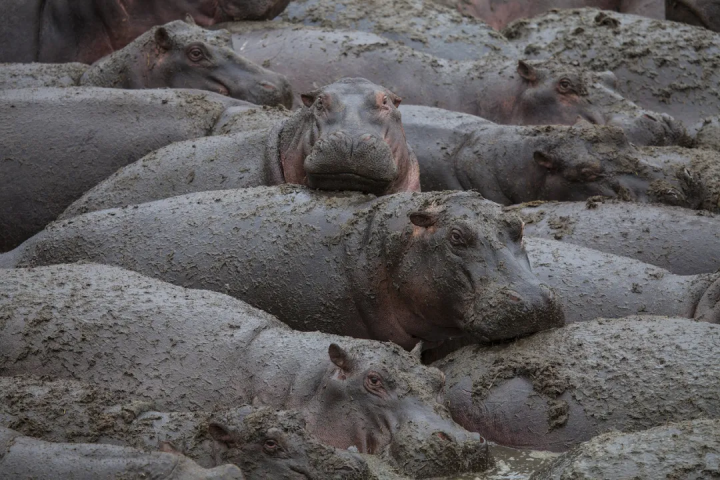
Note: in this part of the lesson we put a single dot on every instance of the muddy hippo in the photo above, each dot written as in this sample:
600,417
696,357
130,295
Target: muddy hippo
58,31
349,136
708,133
263,442
673,238
662,452
559,388
405,267
26,457
663,66
592,284
203,351
59,142
703,13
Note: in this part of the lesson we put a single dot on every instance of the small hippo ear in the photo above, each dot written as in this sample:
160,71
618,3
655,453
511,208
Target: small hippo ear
546,162
417,350
526,71
189,19
221,433
423,219
162,38
396,100
309,98
340,357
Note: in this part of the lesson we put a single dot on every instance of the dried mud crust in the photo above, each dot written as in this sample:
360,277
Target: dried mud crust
34,75
684,450
708,134
244,119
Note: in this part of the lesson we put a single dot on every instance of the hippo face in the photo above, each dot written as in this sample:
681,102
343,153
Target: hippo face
381,400
252,9
351,138
275,444
186,56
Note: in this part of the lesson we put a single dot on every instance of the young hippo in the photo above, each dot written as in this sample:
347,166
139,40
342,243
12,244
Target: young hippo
26,457
404,268
703,13
559,388
195,350
349,136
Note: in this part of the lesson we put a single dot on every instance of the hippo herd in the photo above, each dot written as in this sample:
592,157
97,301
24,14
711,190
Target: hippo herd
359,239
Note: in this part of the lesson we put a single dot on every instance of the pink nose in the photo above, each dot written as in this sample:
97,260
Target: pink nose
267,85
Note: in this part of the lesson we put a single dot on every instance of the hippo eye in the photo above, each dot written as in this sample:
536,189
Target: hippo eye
385,100
270,445
374,383
565,85
457,238
195,54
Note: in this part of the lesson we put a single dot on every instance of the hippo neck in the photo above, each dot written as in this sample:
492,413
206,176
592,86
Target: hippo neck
116,71
496,94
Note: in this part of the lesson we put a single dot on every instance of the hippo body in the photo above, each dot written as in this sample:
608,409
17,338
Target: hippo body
673,238
660,452
26,457
702,13
559,388
708,134
592,284
375,250
202,351
58,31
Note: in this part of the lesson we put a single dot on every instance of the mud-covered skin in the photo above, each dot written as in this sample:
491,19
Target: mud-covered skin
26,457
559,388
59,142
59,31
36,75
703,13
662,66
202,351
592,284
708,134
677,450
673,238
403,267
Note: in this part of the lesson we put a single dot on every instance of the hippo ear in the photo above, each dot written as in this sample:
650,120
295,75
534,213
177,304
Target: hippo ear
340,357
526,71
162,38
189,19
417,350
396,100
309,98
546,162
423,219
221,433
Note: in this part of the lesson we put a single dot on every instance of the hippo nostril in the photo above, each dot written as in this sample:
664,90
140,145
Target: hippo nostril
444,436
513,295
651,117
267,85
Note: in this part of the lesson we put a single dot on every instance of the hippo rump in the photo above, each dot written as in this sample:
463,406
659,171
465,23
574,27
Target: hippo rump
59,31
673,238
26,457
263,442
349,136
407,267
559,388
702,13
591,284
689,449
203,351
662,66
59,142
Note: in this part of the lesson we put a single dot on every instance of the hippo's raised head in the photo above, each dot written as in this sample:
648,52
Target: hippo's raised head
266,443
349,136
380,399
182,55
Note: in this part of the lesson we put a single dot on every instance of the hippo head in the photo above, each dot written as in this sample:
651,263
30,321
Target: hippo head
266,443
182,55
234,10
702,13
378,398
349,136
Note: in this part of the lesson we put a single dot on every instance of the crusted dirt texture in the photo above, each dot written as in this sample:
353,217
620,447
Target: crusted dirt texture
684,450
708,134
661,65
559,388
245,118
34,75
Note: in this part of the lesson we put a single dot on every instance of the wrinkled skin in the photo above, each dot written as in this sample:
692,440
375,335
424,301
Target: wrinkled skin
58,31
60,142
673,238
557,389
372,395
703,13
403,267
26,457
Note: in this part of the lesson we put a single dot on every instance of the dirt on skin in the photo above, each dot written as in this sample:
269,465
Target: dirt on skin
708,134
685,450
33,75
246,118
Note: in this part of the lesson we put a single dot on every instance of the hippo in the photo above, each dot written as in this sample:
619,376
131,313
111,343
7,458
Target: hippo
660,452
702,13
662,66
59,31
262,442
592,284
405,268
205,351
26,457
559,388
59,142
680,241
708,134
349,136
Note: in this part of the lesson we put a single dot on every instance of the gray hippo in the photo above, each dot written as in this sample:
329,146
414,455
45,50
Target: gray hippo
407,267
703,13
203,351
176,55
262,442
26,457
58,31
559,388
680,241
591,284
349,136
687,450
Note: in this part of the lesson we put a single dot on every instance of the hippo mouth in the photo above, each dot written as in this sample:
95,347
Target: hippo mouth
347,181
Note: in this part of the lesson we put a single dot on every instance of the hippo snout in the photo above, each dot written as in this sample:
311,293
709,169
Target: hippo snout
273,92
